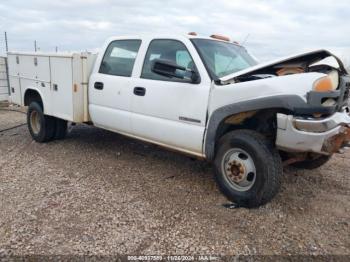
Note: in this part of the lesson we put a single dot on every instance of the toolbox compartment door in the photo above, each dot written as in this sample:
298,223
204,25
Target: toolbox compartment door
43,69
3,80
62,87
15,87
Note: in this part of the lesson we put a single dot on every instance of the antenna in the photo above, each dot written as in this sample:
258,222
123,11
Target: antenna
7,66
35,46
245,39
6,44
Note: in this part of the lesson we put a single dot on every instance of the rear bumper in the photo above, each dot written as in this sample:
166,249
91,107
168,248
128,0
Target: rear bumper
325,136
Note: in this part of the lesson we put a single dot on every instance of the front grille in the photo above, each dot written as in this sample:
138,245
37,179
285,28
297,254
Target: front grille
347,92
344,98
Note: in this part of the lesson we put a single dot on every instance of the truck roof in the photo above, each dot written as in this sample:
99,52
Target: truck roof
125,37
52,54
170,36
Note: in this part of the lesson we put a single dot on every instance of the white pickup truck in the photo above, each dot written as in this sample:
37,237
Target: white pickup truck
203,96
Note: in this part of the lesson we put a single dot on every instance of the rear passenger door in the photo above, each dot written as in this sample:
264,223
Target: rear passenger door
110,86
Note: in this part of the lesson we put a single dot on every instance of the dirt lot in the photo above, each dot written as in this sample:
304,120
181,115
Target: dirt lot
97,192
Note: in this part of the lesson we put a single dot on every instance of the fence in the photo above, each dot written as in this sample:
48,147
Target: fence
4,95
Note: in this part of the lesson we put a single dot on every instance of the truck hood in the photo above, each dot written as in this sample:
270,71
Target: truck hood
302,60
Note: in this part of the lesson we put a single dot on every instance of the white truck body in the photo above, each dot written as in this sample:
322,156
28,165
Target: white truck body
62,78
159,117
194,95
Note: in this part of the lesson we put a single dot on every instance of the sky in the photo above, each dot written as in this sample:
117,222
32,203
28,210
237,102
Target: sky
268,29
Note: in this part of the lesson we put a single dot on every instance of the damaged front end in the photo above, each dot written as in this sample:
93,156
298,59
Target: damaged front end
337,143
295,64
322,133
322,125
327,95
323,136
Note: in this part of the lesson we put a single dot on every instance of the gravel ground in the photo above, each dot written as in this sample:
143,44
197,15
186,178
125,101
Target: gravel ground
97,192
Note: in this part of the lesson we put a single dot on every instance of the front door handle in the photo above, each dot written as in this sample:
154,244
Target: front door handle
139,91
98,85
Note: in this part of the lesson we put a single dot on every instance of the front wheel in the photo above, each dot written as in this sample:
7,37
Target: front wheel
248,168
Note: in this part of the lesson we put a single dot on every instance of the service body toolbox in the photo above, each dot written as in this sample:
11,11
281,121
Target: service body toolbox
62,78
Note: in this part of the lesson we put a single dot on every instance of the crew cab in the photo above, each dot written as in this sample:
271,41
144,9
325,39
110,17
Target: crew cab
204,96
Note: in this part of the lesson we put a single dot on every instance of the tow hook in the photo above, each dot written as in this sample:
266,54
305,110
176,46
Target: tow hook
338,143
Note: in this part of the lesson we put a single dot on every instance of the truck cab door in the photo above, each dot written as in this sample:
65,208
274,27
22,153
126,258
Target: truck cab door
169,111
111,87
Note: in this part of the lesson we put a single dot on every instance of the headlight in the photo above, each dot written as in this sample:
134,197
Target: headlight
323,84
327,83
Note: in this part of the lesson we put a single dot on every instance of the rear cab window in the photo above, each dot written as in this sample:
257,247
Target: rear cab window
119,58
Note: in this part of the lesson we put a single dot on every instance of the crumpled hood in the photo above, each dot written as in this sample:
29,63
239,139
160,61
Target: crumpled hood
302,60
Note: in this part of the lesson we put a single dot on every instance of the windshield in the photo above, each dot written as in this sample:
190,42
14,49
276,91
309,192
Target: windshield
222,58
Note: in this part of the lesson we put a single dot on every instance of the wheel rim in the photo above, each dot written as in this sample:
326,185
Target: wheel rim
35,122
239,169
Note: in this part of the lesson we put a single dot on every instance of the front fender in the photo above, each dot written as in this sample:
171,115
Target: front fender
290,102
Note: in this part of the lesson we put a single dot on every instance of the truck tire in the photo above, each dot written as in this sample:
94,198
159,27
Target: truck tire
248,168
312,163
41,127
60,128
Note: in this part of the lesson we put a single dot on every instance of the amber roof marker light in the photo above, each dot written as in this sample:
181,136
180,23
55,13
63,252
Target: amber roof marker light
192,33
221,37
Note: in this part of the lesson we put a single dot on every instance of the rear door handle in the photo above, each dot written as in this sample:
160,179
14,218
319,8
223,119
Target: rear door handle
98,85
139,91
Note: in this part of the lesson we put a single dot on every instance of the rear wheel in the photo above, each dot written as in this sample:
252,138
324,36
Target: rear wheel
248,168
41,127
60,128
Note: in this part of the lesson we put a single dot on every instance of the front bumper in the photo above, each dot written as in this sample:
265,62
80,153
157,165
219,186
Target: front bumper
325,136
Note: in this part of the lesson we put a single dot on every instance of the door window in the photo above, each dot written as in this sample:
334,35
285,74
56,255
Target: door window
171,50
120,57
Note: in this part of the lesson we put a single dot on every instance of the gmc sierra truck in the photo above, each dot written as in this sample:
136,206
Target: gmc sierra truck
203,96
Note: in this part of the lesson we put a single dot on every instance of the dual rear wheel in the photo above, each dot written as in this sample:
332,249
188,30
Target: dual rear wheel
44,128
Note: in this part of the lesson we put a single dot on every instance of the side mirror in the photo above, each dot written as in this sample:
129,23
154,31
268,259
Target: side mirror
170,69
